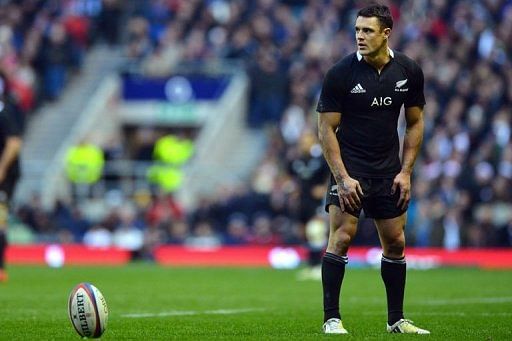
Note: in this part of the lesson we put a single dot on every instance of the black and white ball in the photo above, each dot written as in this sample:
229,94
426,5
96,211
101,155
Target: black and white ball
88,310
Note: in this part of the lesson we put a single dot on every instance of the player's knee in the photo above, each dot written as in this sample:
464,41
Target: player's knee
342,241
394,248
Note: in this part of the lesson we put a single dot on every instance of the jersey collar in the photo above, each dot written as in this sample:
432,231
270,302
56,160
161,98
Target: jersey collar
391,54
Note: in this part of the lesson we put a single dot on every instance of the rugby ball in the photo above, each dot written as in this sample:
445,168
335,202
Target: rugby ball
87,310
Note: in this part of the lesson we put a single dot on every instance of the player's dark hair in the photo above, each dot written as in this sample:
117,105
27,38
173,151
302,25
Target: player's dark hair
379,11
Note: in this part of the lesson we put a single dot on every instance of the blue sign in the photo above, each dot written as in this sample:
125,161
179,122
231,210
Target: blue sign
175,89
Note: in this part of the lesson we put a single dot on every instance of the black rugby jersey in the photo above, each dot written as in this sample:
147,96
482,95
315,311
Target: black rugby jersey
370,105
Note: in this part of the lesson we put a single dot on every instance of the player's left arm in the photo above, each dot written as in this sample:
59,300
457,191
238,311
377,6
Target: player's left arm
11,151
412,143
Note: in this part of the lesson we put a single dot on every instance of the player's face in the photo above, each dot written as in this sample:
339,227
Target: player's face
370,37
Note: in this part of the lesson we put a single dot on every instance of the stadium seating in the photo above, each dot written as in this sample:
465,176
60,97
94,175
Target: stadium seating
462,178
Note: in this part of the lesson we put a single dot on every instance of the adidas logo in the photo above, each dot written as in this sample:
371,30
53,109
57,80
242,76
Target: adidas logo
358,89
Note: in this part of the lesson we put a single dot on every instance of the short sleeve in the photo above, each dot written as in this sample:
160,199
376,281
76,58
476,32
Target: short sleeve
331,96
416,96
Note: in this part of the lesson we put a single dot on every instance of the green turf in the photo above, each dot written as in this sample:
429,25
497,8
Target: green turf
454,304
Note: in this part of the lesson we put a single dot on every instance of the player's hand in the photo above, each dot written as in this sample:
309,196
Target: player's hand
349,193
402,182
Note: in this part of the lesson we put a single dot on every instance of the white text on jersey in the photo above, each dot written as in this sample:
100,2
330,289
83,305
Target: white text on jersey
380,101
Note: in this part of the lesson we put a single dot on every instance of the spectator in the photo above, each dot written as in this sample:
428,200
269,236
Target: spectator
84,168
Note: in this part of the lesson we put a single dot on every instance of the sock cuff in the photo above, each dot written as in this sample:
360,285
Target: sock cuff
335,258
393,260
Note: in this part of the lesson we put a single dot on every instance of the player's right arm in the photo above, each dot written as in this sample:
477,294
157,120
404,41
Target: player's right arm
13,141
349,189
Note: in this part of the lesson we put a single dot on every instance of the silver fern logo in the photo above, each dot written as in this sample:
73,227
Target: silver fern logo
399,86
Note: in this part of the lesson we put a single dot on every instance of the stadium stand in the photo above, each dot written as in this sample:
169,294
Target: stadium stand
463,179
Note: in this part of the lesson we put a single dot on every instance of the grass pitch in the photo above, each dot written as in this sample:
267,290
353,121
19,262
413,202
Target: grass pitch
149,302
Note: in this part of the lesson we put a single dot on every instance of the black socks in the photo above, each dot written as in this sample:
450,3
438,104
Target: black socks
393,274
333,270
3,246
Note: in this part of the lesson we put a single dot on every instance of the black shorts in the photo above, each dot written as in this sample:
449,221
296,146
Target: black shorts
377,201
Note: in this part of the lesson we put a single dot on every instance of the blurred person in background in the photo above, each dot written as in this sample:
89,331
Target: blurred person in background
359,106
84,167
108,21
316,231
10,147
309,168
268,90
55,60
129,233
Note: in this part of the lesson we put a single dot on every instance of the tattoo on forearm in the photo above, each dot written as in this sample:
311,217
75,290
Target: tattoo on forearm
342,185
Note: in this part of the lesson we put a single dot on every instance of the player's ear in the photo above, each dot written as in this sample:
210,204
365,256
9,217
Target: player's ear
387,32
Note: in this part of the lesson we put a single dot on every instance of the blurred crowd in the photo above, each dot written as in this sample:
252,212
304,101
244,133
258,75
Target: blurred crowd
43,43
463,178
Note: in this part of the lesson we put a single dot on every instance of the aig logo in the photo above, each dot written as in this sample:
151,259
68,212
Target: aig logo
380,101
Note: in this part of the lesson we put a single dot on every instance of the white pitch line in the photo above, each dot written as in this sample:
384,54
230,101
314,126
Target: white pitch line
456,313
469,300
473,300
193,312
